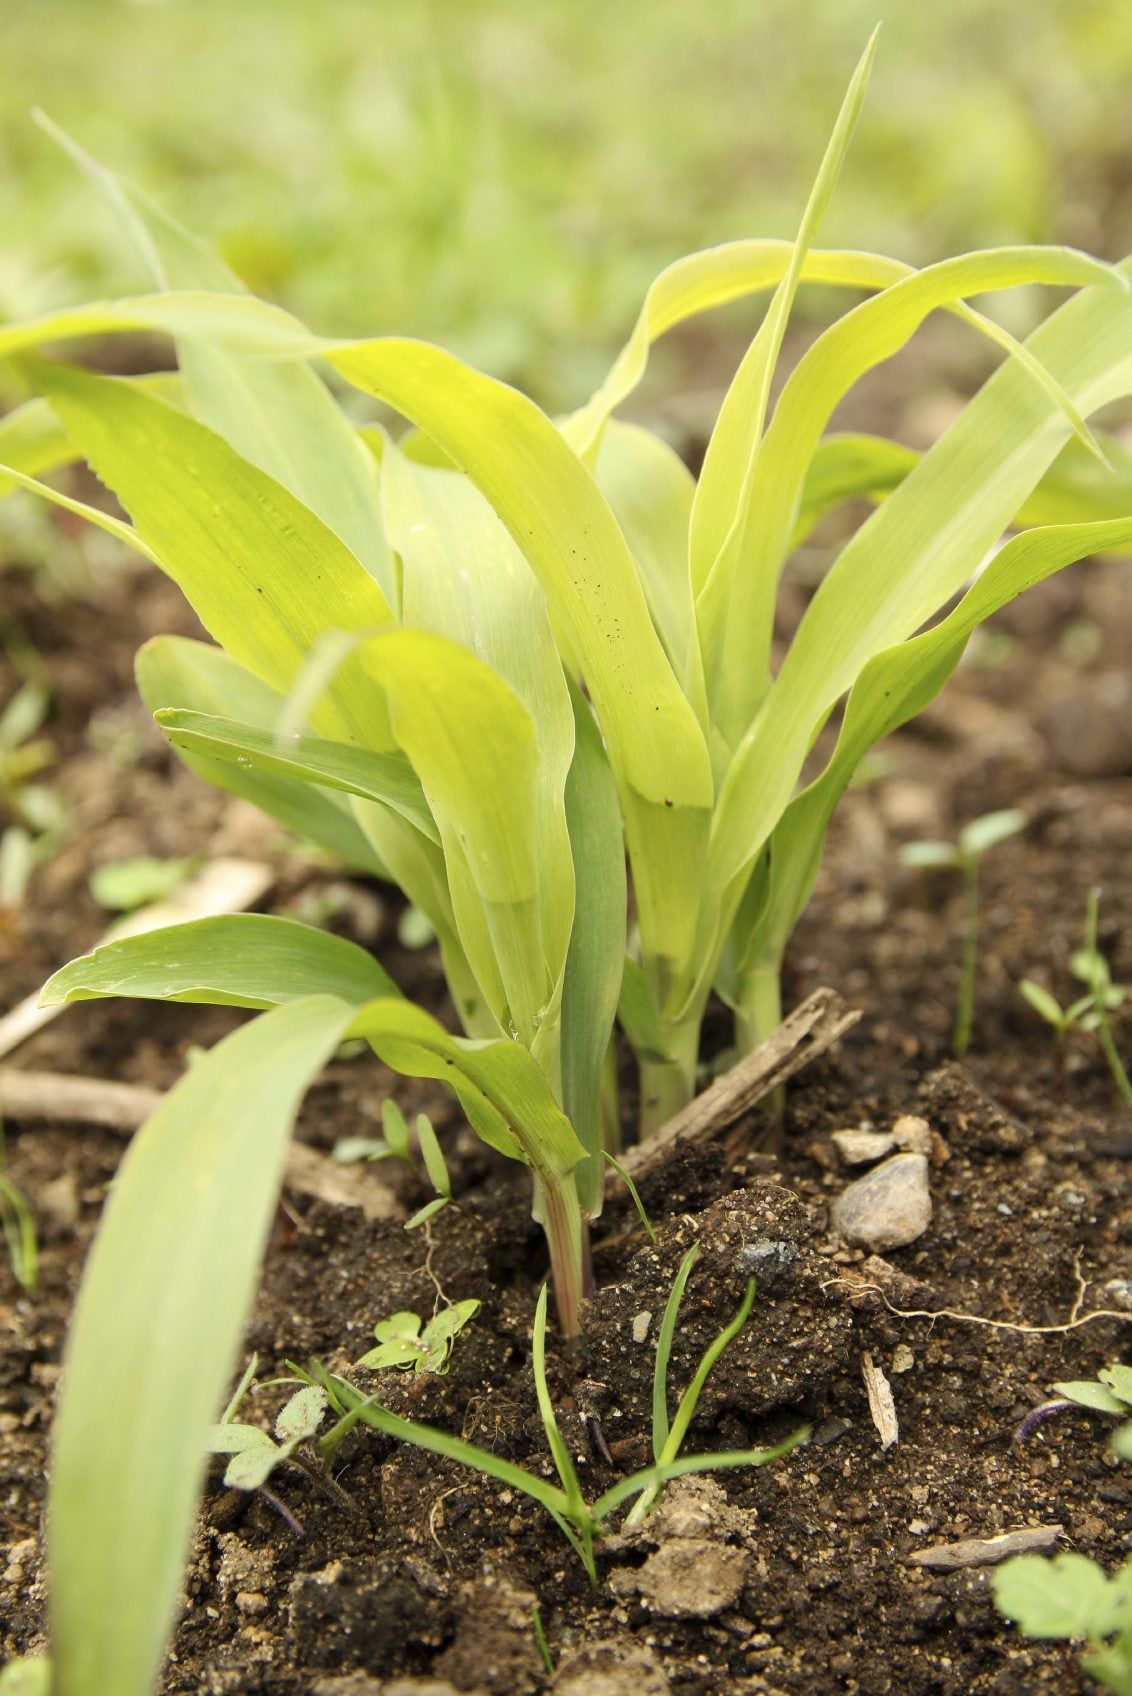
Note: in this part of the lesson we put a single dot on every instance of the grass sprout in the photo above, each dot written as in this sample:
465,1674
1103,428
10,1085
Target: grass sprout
965,856
581,1522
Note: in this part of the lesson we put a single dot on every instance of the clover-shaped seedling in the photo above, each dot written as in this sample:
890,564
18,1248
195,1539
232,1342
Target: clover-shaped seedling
405,1341
1109,1392
1072,1597
256,1454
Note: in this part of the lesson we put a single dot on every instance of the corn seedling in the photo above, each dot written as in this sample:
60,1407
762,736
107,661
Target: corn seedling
1071,1597
964,856
1089,1012
582,1523
495,660
406,1341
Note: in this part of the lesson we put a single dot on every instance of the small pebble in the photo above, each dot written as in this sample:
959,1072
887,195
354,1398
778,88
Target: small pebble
641,1324
887,1208
860,1148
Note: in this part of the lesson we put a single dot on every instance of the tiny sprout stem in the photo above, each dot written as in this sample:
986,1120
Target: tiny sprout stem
540,1640
1104,1030
965,1006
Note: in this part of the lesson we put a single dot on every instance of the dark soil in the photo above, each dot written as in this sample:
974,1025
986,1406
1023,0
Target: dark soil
795,1578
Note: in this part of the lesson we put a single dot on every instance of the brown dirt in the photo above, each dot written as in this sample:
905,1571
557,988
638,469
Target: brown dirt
791,1579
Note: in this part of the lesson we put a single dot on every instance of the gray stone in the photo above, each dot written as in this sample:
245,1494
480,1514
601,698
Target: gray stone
887,1208
861,1148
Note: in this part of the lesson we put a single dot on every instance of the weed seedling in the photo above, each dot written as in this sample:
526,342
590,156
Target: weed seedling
1071,1597
396,1143
1090,1011
255,1454
582,1523
406,1341
965,855
18,1227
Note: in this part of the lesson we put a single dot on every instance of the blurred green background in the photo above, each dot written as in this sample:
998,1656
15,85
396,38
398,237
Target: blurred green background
508,175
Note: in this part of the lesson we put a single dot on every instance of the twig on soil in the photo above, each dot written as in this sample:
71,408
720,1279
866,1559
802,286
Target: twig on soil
58,1098
73,1100
804,1034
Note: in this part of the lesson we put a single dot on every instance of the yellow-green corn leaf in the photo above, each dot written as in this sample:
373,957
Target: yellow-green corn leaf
702,281
722,493
464,578
735,604
235,321
597,944
911,555
501,1088
1077,488
473,745
234,960
32,440
388,778
264,574
10,479
159,1319
175,672
554,510
558,517
280,417
893,687
650,490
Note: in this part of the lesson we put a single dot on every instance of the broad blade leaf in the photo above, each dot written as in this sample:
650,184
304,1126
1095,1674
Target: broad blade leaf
194,677
893,687
159,1318
735,604
915,551
264,574
237,960
387,778
596,958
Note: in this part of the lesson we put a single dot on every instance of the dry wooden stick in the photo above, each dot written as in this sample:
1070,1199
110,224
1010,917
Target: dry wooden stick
65,1100
804,1034
71,1100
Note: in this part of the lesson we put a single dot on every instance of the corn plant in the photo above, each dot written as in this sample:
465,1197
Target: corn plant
495,660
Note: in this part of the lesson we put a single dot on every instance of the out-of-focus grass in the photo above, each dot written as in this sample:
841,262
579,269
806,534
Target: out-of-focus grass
508,174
